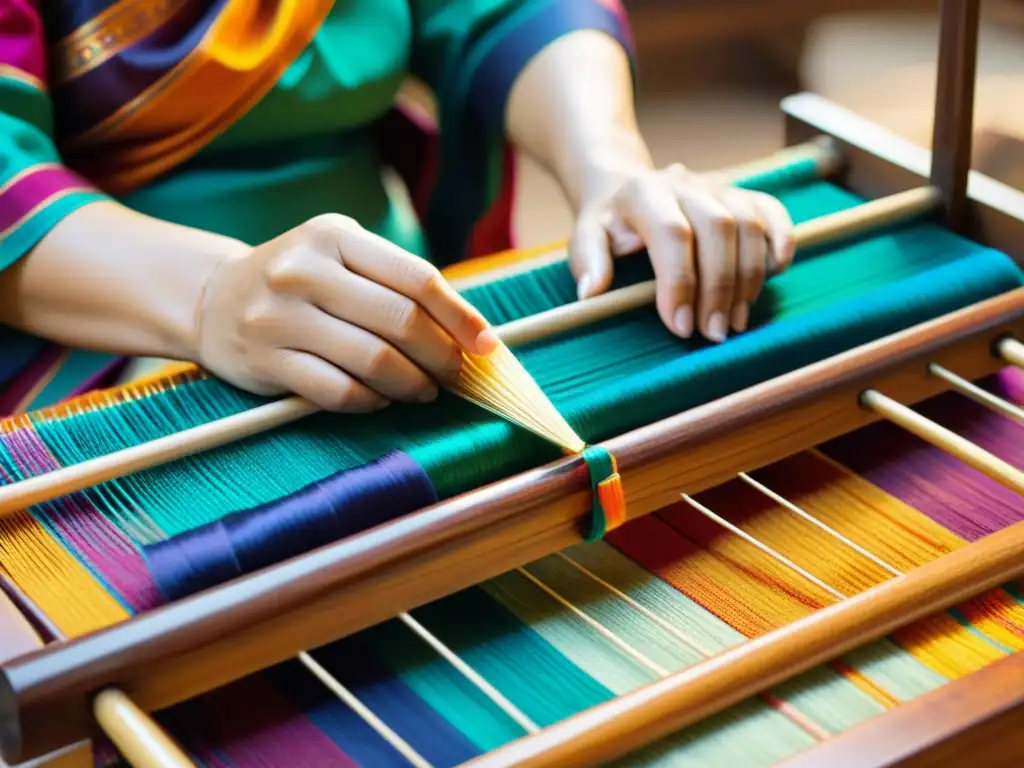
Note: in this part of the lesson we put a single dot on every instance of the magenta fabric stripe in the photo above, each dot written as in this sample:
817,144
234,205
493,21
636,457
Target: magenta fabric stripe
103,378
274,733
27,378
37,185
93,538
21,37
959,498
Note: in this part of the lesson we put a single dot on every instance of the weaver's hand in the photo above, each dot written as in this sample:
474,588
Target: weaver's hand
338,315
711,245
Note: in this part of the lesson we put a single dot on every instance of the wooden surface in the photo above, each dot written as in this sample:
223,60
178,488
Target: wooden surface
974,721
658,23
879,163
24,628
954,106
201,643
135,734
639,718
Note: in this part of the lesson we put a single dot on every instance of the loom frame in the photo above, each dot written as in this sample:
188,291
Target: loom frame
210,639
198,644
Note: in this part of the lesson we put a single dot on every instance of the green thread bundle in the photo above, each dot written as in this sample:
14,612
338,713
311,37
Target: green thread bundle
605,379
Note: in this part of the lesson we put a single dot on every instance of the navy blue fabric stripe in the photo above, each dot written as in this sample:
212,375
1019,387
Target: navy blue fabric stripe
62,17
17,350
353,663
493,79
89,99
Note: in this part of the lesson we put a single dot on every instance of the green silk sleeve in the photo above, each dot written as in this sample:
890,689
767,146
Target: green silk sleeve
469,52
36,189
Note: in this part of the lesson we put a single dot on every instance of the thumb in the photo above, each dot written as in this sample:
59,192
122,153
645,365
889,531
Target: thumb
590,258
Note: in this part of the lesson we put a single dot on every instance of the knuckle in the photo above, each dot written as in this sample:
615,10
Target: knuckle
680,231
752,270
258,318
720,283
686,280
338,397
328,230
753,226
332,224
404,318
379,358
723,225
426,280
285,270
634,188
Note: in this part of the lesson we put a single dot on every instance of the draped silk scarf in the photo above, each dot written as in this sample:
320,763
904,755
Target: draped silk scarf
140,87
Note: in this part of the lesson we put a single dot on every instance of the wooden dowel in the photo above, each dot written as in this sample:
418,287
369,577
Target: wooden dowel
41,488
46,630
189,647
1012,351
977,394
639,718
952,132
945,439
870,216
145,744
822,151
136,736
17,635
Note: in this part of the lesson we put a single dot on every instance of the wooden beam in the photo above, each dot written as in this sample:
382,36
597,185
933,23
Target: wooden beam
952,135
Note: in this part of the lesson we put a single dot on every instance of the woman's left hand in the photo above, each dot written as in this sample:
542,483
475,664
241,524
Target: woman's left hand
711,245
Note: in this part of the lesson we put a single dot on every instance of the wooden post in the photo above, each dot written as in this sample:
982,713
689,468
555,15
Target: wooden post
954,106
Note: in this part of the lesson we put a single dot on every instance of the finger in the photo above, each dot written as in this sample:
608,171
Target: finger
324,384
378,260
779,227
383,312
590,257
651,209
752,254
715,237
366,357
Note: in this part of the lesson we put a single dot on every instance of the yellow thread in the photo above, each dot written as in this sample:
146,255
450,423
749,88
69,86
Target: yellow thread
53,579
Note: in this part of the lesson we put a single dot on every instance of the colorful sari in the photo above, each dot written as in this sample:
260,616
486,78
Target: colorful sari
247,117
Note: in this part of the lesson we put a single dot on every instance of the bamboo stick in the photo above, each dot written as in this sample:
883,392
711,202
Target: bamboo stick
136,736
876,214
978,395
945,439
621,726
41,488
1012,351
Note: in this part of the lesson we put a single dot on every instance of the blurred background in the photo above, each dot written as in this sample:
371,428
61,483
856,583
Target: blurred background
712,73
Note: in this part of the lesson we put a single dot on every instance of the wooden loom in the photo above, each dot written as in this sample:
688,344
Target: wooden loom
53,698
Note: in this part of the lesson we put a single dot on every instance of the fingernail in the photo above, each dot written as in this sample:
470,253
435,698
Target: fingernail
379,404
683,321
428,395
718,326
740,316
487,341
583,287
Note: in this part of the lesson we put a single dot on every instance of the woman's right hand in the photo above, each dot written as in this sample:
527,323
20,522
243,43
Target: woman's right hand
337,315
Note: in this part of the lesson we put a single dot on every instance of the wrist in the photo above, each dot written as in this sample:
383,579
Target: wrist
601,164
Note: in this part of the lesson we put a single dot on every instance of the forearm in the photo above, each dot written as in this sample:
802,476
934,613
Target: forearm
572,110
109,279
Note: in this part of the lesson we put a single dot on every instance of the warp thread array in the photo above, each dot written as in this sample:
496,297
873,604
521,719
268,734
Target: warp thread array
96,557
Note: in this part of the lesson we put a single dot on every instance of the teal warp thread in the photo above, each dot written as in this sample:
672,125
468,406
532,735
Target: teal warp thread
600,466
606,379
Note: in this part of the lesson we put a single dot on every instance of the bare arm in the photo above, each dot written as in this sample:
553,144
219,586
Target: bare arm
110,279
711,246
